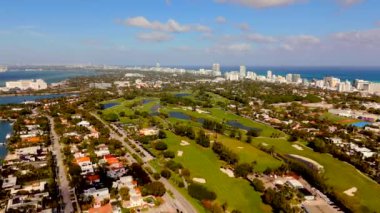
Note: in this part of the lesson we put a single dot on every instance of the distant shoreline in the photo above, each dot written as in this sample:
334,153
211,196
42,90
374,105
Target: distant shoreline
39,94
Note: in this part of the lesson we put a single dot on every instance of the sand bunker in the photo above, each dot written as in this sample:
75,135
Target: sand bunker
351,192
309,161
179,153
228,172
298,147
184,143
199,180
264,144
240,147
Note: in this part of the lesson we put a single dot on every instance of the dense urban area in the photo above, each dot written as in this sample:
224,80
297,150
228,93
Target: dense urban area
156,139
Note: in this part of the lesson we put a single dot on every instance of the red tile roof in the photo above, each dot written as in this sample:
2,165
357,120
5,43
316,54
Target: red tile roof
103,209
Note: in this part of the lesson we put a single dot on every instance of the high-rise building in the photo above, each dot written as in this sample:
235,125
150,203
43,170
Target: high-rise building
243,71
216,69
269,74
251,75
344,86
38,84
361,84
331,82
289,78
232,76
296,78
374,88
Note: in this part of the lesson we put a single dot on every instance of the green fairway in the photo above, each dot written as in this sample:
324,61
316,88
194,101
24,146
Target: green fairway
220,115
130,106
203,163
247,153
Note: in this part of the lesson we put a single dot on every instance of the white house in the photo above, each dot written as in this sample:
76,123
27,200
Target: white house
85,165
98,194
84,124
9,181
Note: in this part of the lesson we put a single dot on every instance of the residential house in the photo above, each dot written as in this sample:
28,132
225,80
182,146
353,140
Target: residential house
85,165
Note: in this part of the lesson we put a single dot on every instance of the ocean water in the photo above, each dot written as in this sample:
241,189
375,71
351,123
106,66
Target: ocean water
5,128
49,76
23,98
344,73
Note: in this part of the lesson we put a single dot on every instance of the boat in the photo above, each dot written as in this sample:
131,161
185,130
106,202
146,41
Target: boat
8,136
3,69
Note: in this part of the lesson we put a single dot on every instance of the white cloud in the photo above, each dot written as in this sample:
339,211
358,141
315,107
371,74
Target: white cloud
235,48
366,37
302,40
256,37
260,3
244,27
182,48
349,2
154,36
170,26
220,20
201,28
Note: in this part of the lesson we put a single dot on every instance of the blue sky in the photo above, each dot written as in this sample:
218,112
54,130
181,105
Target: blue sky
191,32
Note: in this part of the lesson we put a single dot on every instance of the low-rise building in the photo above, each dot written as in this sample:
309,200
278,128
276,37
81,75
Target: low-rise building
85,165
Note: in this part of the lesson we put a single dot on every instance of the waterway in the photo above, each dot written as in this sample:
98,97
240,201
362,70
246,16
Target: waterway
51,76
5,128
232,123
20,99
109,105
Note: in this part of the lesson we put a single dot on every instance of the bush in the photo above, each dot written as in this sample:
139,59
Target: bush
161,134
254,132
111,117
243,169
174,166
156,176
161,146
203,139
258,185
155,188
169,154
181,184
185,172
200,192
166,173
224,153
124,193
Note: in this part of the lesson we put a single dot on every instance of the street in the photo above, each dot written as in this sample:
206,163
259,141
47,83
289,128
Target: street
179,201
62,175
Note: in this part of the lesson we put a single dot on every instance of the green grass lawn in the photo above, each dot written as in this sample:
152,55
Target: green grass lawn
203,163
126,107
119,100
340,175
148,106
220,115
338,119
248,153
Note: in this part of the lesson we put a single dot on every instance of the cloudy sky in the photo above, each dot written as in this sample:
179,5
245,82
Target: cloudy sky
191,32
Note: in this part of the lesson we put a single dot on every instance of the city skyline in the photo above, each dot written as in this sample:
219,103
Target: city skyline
229,32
